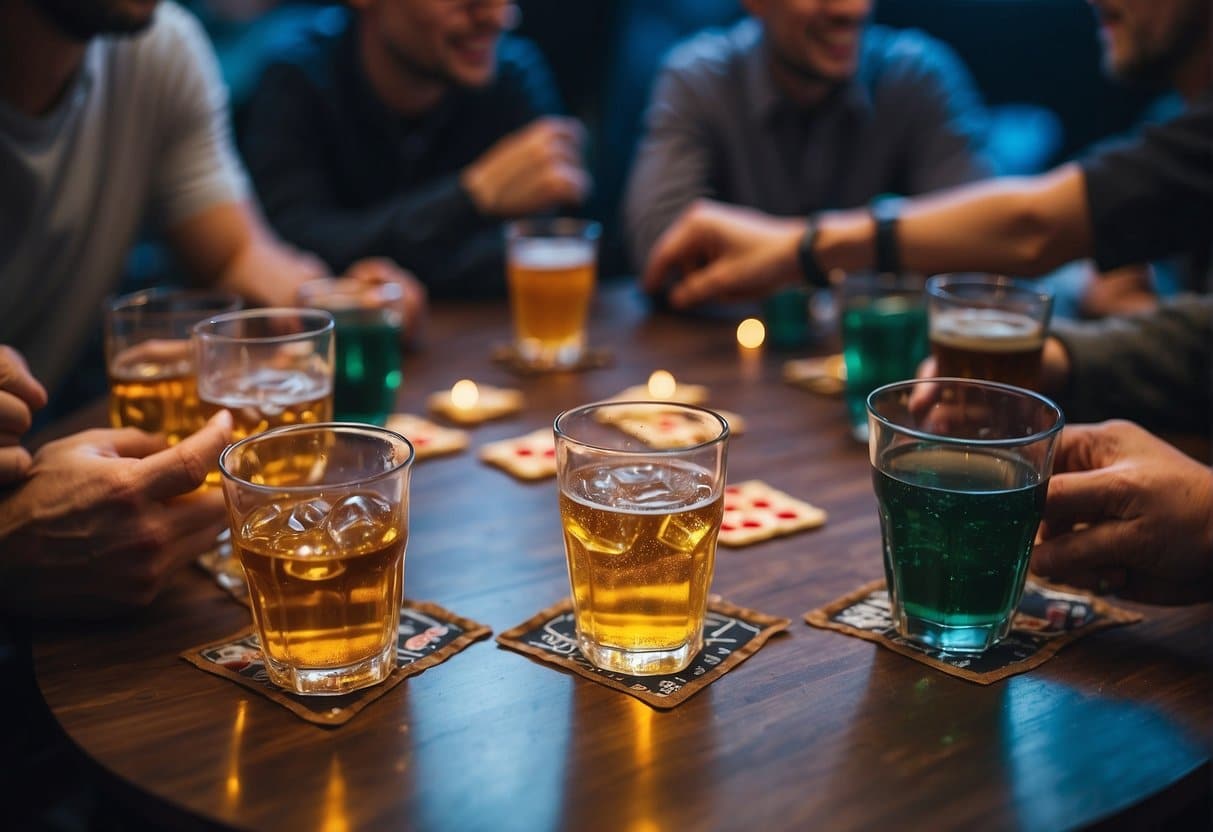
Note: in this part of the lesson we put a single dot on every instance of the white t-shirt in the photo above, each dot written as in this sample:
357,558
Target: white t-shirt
141,132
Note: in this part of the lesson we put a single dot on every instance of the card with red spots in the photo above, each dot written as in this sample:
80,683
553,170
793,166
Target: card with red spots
672,429
529,457
429,439
754,511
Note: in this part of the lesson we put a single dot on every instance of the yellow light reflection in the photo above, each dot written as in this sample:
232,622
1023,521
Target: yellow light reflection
662,385
465,394
231,785
641,801
751,333
335,818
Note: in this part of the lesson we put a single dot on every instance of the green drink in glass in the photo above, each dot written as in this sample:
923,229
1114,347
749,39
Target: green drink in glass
884,336
368,327
960,470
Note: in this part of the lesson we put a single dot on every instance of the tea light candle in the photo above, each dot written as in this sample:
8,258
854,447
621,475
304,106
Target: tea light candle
751,333
662,385
469,403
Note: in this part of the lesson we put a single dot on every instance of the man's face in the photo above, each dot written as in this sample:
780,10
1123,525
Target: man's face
84,19
450,41
814,39
1144,40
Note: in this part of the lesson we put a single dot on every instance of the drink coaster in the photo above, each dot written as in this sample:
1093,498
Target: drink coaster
592,358
428,635
731,635
1048,618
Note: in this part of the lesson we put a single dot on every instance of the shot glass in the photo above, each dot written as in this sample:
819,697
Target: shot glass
551,269
149,360
988,327
960,469
319,517
368,327
640,528
884,336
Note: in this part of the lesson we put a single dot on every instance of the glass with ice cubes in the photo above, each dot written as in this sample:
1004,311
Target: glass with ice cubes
640,527
319,520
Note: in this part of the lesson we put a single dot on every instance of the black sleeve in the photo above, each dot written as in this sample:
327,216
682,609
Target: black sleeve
1153,197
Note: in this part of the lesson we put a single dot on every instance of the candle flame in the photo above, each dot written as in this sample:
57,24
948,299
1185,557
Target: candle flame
465,394
662,385
751,333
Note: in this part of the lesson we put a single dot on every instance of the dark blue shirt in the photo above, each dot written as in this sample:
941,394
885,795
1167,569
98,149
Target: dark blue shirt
341,175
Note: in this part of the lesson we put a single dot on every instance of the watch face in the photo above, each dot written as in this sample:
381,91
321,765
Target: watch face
809,267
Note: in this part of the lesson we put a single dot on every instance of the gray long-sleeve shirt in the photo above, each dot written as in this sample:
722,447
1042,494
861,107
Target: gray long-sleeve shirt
717,126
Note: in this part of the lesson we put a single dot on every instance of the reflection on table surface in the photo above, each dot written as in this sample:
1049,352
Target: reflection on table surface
815,729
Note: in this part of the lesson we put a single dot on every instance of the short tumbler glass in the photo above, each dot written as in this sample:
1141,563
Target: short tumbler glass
960,469
640,528
319,517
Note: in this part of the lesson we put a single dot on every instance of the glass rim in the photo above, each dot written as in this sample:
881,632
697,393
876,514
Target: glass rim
724,434
562,227
355,428
937,286
201,331
1014,442
140,301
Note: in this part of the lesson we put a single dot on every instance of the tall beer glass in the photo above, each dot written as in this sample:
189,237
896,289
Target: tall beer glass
988,327
640,529
551,270
960,470
149,360
319,517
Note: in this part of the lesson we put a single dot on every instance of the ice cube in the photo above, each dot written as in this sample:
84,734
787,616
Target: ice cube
682,532
620,542
306,516
262,524
361,519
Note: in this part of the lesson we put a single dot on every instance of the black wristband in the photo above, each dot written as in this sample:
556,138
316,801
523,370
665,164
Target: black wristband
885,214
813,274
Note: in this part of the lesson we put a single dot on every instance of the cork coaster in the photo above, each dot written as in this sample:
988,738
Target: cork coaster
428,635
1048,618
826,376
731,635
491,403
592,358
429,439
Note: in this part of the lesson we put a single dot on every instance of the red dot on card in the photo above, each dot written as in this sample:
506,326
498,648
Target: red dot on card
550,452
730,506
421,440
727,527
787,515
731,489
524,451
666,423
761,503
751,524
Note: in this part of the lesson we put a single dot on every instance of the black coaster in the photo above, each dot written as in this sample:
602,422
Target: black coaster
1048,618
428,635
731,635
592,358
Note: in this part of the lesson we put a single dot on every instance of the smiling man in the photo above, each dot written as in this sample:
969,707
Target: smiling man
801,107
412,130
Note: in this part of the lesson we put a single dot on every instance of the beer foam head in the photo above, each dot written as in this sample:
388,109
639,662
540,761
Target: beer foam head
552,253
996,330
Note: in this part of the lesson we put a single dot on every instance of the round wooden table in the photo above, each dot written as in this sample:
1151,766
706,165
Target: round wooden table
817,730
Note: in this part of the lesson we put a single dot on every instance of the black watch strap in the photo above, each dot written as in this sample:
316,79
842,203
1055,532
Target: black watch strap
885,214
809,267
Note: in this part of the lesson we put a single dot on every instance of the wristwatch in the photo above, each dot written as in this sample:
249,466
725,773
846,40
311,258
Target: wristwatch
885,213
814,275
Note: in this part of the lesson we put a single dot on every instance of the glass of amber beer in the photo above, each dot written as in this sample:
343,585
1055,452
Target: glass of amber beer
319,518
640,528
988,327
149,360
960,469
551,269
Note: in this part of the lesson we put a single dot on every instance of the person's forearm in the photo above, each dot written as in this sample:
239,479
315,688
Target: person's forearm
1021,226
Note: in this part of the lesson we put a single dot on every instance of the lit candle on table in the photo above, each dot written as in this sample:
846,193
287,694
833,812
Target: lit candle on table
751,334
465,394
662,385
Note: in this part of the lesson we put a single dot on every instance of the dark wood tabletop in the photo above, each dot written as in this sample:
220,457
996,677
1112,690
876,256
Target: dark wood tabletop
816,730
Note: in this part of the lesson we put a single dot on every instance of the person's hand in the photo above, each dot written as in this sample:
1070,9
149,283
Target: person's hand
396,286
105,517
534,169
723,251
1127,512
20,395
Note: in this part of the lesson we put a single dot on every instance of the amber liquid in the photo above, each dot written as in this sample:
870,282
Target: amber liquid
551,284
318,603
155,393
640,567
988,344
